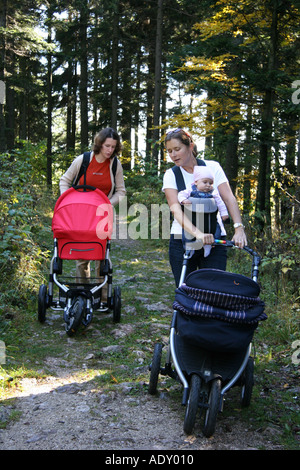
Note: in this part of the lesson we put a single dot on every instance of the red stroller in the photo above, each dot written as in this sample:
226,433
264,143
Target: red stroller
82,226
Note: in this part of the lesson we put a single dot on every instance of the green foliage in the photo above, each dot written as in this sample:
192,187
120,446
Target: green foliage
281,261
144,185
22,185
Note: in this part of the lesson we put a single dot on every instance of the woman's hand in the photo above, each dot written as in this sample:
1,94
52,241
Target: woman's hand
207,238
239,238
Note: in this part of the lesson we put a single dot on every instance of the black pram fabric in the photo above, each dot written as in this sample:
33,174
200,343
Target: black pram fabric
223,281
218,310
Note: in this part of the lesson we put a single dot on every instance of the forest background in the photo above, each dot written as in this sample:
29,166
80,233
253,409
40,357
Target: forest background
227,71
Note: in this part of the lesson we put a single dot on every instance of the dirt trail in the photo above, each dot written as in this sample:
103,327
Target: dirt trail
63,413
67,412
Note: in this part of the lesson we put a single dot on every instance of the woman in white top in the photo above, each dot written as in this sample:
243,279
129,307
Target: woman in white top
181,150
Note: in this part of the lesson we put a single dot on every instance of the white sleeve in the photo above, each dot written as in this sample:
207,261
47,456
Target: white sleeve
218,172
220,203
169,180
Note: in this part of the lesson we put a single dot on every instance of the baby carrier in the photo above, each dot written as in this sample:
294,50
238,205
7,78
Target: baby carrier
202,211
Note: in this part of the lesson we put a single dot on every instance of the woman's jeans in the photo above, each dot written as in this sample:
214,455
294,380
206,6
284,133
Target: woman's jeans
216,259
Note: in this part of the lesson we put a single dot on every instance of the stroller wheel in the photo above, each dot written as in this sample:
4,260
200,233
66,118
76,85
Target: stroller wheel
155,369
193,404
211,414
117,305
75,315
42,303
247,383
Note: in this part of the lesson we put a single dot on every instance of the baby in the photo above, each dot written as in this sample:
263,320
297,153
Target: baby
203,188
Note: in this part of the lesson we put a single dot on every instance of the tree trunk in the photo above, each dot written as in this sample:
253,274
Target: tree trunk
297,192
83,87
150,94
22,100
208,124
287,205
232,164
49,108
69,107
10,101
163,111
3,9
157,87
247,203
136,111
263,205
115,72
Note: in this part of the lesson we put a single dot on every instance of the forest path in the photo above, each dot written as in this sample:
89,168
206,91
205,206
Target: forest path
67,409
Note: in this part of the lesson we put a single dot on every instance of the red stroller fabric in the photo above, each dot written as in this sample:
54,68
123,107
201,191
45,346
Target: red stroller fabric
82,223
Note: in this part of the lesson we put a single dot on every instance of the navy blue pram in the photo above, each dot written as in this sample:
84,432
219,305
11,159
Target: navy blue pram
214,319
218,310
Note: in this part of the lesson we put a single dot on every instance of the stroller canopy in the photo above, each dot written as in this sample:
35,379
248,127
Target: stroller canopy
81,218
218,310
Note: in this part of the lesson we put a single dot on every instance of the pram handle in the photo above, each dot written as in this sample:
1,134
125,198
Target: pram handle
256,259
231,243
198,244
85,187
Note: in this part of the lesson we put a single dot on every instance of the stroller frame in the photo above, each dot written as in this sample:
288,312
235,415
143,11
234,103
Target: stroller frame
79,300
203,390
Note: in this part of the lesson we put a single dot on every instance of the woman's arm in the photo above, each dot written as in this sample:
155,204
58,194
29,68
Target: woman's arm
183,220
120,190
228,197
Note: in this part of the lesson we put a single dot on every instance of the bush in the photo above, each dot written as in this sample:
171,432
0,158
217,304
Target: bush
22,186
144,186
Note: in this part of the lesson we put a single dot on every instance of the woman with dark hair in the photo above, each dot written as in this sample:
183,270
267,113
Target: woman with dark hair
99,174
182,151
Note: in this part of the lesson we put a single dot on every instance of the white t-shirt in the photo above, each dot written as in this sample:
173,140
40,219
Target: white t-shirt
169,182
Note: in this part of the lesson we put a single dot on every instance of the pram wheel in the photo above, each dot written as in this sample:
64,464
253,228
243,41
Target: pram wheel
117,305
155,369
75,315
211,414
193,404
247,383
42,303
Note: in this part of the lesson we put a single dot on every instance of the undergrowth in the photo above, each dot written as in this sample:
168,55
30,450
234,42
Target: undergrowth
143,269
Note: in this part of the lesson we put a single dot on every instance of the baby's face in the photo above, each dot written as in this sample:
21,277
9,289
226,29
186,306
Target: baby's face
204,184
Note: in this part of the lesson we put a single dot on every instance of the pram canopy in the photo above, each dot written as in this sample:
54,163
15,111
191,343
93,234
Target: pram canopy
218,309
82,223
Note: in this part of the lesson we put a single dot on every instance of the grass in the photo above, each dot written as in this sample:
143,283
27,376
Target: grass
142,270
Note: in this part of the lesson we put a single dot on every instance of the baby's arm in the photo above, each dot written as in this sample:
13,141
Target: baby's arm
183,196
